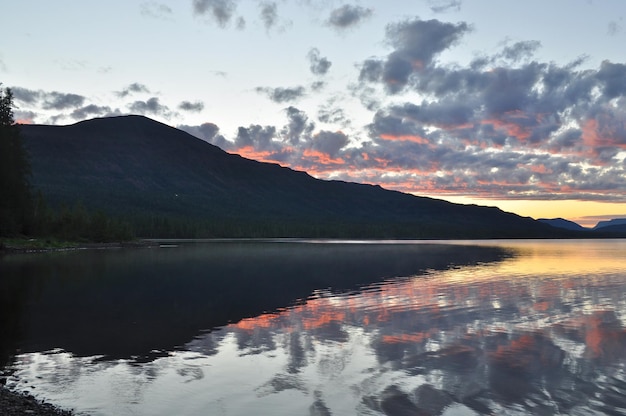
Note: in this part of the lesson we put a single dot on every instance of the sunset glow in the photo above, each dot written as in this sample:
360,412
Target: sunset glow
441,100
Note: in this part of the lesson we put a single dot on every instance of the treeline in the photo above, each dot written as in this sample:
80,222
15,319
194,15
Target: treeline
25,213
76,223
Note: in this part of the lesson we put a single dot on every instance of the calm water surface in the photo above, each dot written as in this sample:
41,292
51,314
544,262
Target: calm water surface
321,328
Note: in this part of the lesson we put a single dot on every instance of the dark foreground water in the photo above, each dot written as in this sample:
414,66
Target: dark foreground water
318,328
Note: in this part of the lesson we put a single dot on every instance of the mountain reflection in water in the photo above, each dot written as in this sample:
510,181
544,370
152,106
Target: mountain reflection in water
539,332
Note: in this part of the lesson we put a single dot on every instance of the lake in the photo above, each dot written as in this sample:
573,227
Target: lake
313,327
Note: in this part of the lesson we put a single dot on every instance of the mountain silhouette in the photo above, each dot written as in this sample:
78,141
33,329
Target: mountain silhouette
152,174
615,225
563,223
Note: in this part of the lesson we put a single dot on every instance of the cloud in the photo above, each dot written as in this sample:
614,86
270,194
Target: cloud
318,85
152,106
614,27
3,66
348,16
209,132
61,101
256,136
282,95
53,100
269,14
503,126
134,88
332,114
298,126
92,110
26,96
240,23
416,43
442,6
221,11
612,78
155,10
329,142
25,117
520,50
317,64
192,107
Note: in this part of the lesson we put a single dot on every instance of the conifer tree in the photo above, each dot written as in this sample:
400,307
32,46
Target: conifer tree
15,193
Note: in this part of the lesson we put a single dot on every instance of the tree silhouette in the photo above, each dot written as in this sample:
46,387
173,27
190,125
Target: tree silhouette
15,192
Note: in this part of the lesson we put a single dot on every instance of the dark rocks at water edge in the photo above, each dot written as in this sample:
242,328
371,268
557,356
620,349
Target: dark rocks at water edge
19,404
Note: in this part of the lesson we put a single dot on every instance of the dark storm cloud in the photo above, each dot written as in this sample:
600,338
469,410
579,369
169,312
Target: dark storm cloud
192,107
298,126
269,14
221,11
151,106
348,16
134,88
317,64
282,95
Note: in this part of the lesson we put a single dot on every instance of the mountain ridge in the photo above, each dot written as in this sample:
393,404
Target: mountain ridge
138,168
563,223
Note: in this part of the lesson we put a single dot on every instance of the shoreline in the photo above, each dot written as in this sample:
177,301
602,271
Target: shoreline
43,246
14,403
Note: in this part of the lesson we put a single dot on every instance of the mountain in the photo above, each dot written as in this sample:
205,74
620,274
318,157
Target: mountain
563,223
611,226
169,183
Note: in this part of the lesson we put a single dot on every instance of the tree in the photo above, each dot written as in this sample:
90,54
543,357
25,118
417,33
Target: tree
15,192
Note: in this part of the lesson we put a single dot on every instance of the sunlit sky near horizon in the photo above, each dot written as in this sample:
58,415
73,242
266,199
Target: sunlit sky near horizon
521,105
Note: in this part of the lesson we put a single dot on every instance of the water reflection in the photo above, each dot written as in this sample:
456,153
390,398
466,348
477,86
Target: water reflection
130,303
492,338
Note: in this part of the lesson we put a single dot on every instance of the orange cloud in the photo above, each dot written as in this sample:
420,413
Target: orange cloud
322,157
605,130
405,138
510,127
250,152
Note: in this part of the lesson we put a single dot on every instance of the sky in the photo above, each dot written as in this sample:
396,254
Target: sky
520,105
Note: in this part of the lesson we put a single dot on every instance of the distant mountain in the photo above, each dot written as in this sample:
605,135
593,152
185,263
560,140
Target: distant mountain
169,183
563,223
613,225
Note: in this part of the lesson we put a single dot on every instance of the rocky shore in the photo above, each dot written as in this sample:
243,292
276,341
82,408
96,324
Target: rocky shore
20,404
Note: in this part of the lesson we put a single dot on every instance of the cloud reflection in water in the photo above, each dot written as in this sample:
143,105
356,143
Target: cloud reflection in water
497,338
